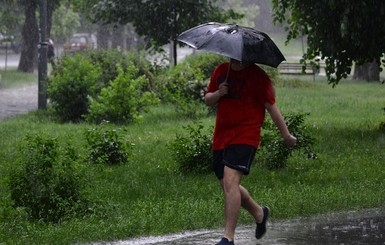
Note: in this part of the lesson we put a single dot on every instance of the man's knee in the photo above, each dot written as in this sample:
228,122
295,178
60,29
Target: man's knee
231,178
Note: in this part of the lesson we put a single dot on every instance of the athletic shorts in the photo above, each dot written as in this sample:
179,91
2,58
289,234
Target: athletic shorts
238,157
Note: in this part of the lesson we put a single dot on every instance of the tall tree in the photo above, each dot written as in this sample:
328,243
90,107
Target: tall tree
343,33
64,22
30,32
159,21
11,18
249,11
30,37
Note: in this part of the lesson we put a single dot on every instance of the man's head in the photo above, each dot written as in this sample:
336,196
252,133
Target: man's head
238,65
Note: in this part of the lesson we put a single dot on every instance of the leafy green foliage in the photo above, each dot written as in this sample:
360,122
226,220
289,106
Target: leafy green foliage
204,61
11,17
123,100
184,85
382,124
79,80
111,60
173,16
107,145
193,152
49,185
336,31
273,151
65,21
74,82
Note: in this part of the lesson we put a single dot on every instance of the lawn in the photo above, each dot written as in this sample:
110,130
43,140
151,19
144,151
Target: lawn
12,78
148,196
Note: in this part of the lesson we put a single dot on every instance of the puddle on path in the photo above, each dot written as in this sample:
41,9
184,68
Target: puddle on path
14,101
355,227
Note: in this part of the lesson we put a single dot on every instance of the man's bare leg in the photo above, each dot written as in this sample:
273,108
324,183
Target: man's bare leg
250,205
260,214
230,183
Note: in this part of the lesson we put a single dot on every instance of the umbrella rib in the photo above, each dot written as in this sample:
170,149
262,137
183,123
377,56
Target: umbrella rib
206,41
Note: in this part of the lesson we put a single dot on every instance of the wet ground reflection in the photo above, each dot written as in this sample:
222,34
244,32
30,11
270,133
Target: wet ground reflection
366,227
363,227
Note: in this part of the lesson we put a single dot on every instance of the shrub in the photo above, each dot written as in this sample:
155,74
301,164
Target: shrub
123,100
185,84
189,78
273,151
107,146
382,124
110,60
70,87
193,152
180,80
189,107
78,77
49,184
205,62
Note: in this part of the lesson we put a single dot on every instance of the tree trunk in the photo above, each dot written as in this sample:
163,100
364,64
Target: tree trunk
51,6
30,37
369,71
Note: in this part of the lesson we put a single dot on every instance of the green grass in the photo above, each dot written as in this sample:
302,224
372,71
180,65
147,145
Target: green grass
12,78
147,195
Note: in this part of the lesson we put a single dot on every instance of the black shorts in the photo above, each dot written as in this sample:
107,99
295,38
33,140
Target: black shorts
238,157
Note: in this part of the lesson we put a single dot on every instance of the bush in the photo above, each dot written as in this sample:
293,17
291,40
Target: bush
123,100
189,107
70,87
190,78
78,77
205,62
185,84
107,146
49,184
382,124
110,60
273,151
193,152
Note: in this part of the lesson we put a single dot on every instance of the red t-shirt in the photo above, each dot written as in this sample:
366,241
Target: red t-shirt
240,113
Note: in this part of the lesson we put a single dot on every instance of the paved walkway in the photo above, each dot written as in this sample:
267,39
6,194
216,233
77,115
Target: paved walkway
353,227
14,101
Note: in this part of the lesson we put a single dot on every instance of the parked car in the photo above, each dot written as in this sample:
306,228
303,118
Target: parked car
9,42
80,42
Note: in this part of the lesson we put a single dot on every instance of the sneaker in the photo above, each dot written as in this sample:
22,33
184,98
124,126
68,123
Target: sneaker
261,227
225,241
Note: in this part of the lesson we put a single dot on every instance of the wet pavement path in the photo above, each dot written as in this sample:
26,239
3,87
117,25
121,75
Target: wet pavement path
355,227
15,101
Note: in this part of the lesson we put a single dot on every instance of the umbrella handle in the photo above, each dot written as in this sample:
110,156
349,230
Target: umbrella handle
228,71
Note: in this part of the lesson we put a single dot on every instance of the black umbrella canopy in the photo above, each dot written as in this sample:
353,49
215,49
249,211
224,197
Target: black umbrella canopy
237,42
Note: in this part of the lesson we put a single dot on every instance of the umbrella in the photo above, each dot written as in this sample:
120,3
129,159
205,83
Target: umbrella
237,42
